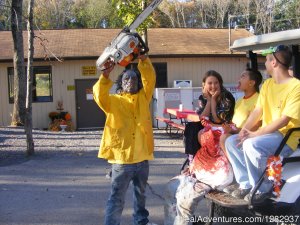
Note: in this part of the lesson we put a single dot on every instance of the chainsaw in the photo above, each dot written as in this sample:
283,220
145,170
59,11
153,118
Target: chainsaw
126,46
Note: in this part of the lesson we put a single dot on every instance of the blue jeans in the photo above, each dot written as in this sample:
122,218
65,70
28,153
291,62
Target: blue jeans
122,175
250,159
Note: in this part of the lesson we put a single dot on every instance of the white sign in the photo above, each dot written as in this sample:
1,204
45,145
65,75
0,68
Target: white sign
182,83
89,97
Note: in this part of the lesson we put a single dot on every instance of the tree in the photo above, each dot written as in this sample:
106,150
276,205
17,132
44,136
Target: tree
18,116
53,14
5,7
92,13
222,11
28,118
128,10
167,8
287,14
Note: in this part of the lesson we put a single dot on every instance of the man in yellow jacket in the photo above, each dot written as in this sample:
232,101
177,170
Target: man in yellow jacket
127,141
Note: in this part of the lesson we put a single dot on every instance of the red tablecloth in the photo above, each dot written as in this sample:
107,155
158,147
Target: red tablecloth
184,114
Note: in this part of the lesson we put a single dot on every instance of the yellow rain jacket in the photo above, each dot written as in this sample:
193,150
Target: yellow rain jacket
127,136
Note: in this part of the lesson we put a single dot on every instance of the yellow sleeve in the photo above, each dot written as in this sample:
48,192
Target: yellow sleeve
148,77
101,93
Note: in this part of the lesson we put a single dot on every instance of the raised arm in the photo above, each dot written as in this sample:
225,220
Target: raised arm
102,87
148,75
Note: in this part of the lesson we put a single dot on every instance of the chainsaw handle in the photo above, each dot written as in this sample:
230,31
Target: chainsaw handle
143,45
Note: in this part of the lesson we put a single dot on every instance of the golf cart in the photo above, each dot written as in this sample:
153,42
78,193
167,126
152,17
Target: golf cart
284,209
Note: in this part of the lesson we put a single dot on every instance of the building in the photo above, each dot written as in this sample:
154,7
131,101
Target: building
177,54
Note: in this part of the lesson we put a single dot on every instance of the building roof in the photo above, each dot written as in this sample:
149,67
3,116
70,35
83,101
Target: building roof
89,43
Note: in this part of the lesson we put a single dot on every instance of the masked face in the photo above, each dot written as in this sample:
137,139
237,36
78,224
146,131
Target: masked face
130,82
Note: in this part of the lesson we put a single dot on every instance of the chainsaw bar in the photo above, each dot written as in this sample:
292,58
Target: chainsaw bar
144,15
122,46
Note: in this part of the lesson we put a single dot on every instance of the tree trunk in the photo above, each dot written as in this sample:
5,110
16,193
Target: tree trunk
18,116
28,118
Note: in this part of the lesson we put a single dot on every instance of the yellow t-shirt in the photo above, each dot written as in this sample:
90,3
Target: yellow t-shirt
243,108
281,99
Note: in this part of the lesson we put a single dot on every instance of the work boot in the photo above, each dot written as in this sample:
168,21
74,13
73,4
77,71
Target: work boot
229,189
240,193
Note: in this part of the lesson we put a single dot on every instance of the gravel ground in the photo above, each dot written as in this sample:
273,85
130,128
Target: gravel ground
13,143
64,182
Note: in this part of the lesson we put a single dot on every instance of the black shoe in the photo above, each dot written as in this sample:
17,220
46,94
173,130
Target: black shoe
229,189
240,193
258,198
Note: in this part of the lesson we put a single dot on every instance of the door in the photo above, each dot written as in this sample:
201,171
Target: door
89,115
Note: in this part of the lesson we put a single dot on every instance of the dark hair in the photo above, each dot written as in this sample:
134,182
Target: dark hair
118,82
213,73
283,55
256,76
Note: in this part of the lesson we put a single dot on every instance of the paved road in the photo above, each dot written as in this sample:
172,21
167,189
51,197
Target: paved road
70,188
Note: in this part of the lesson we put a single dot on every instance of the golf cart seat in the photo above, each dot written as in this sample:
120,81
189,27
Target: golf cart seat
291,175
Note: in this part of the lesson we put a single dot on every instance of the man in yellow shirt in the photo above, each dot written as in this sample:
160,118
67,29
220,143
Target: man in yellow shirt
127,141
278,107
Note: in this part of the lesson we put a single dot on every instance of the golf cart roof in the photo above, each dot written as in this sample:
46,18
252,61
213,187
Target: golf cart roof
264,41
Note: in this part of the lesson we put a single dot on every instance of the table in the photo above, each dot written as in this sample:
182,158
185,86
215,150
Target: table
185,114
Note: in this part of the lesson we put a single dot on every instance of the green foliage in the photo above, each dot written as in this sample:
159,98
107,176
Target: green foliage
128,10
264,16
91,13
287,15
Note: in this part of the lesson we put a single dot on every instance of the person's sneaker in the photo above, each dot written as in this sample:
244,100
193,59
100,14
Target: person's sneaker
229,189
240,193
258,198
108,174
149,223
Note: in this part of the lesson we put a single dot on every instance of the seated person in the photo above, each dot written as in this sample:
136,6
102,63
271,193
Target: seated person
210,167
249,83
279,110
216,103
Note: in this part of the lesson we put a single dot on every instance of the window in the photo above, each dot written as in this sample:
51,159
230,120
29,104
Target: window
161,75
41,85
10,72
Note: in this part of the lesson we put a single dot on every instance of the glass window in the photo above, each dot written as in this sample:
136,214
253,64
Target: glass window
10,72
42,84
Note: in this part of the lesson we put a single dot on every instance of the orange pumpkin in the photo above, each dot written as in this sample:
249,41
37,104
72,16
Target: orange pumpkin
68,116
